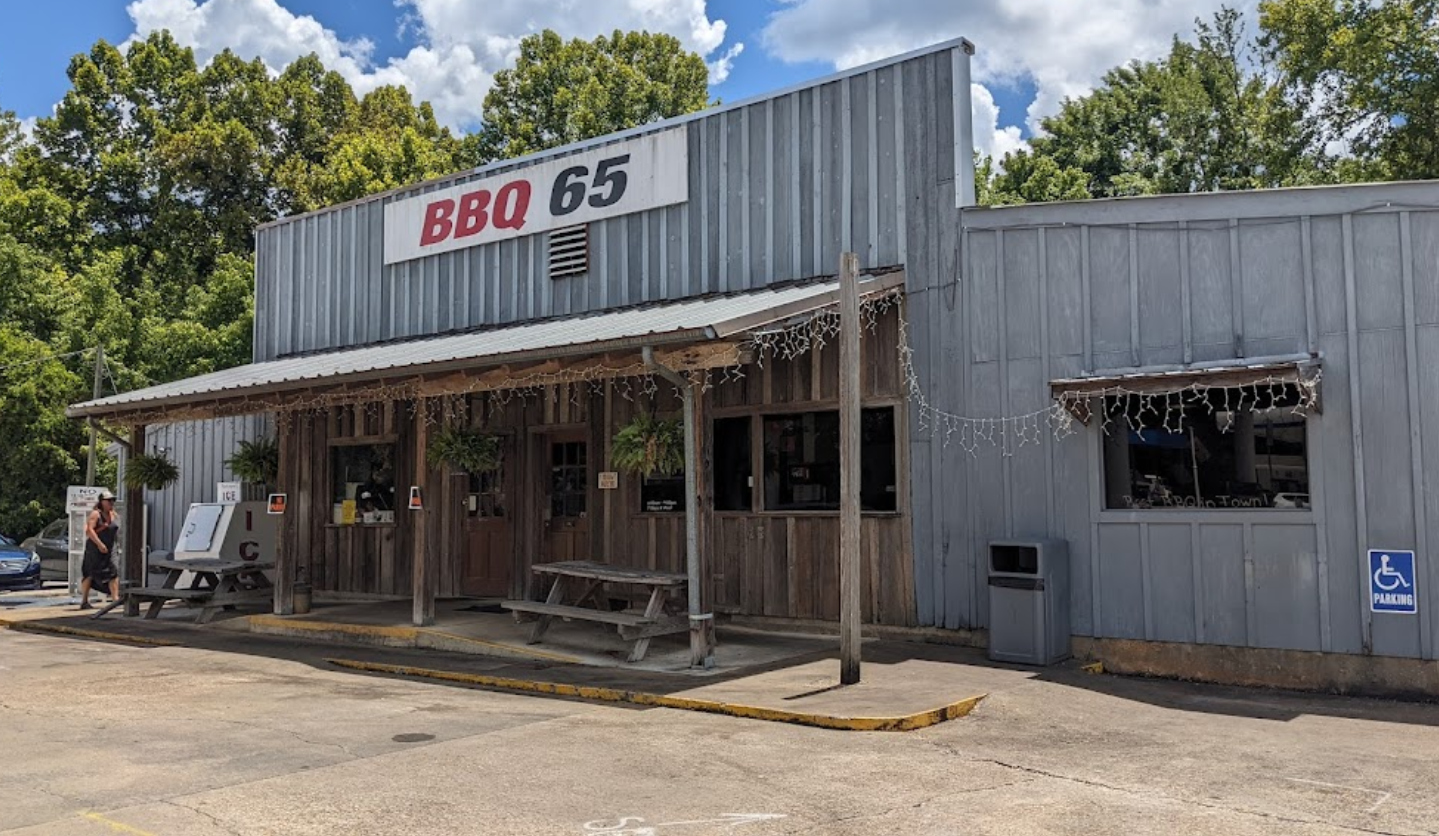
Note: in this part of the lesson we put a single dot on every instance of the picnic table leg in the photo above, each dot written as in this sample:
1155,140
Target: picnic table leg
154,610
652,610
557,594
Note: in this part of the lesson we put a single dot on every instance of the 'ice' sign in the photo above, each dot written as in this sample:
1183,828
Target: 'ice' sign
1391,582
643,173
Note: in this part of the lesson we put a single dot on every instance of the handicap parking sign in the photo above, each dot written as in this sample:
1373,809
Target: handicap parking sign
1391,582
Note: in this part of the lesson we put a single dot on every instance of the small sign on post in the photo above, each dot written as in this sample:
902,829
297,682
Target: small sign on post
415,503
609,480
277,503
228,493
1391,582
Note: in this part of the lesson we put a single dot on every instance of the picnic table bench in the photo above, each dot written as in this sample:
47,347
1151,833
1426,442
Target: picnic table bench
580,582
214,585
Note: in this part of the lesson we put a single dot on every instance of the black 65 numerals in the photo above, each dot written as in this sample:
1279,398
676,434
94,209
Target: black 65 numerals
604,189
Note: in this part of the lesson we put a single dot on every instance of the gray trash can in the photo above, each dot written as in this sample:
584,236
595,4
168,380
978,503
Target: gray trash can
1029,601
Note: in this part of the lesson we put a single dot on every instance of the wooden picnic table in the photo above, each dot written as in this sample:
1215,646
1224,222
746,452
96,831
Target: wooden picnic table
581,581
214,585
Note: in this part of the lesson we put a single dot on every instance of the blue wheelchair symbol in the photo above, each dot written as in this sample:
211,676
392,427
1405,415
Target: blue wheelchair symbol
1391,582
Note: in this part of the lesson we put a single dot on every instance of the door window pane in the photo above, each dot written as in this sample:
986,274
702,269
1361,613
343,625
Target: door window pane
569,479
733,473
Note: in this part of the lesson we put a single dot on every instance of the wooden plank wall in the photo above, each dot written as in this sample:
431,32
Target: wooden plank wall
364,559
770,564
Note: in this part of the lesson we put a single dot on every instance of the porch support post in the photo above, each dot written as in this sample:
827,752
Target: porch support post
286,546
701,623
849,470
133,528
426,578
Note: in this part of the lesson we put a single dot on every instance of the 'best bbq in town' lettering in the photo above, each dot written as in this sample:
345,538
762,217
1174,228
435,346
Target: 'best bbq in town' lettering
634,176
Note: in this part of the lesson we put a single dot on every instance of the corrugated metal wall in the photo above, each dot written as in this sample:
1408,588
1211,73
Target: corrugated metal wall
200,449
777,190
1054,291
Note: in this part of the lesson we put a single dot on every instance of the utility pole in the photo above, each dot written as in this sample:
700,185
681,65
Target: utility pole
99,374
849,469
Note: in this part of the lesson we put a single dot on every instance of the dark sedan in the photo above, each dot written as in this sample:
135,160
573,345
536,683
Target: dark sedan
19,569
53,547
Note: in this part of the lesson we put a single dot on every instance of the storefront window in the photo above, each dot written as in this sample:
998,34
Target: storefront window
1227,448
364,483
733,474
801,461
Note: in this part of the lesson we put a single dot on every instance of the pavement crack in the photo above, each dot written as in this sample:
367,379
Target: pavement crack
1152,793
213,820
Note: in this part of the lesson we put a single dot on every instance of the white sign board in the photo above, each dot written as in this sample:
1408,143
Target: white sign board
79,502
227,493
643,173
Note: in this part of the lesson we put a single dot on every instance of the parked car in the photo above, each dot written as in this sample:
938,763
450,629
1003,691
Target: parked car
53,546
19,569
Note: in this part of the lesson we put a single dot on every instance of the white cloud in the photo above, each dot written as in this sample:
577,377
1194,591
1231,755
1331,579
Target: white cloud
461,44
721,66
27,126
989,138
1062,46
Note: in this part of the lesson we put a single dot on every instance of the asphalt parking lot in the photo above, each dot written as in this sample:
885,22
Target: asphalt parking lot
263,737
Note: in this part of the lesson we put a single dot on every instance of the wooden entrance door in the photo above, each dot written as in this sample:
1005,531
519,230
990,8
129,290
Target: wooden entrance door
567,497
490,532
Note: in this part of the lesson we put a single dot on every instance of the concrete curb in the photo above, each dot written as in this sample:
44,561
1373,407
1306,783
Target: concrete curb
397,636
81,633
910,722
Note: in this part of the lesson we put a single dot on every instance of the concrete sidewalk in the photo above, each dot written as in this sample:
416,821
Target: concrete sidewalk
791,679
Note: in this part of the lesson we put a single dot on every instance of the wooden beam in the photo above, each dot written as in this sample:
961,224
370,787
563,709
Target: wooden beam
133,529
850,363
286,557
426,573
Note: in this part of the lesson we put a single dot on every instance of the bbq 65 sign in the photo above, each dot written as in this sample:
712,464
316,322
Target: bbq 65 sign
618,179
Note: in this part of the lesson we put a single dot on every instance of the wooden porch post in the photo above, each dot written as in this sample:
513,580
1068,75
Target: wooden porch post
850,361
285,544
133,526
426,575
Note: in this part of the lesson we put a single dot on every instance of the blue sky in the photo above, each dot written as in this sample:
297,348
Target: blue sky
1032,52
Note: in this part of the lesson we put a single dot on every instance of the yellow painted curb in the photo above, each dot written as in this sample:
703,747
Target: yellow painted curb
402,635
501,647
908,722
378,631
79,632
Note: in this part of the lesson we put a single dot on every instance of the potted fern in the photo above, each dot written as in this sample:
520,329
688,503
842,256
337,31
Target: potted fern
464,449
649,446
256,462
150,471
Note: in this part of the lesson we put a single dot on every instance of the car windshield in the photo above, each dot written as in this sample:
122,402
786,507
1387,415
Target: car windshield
6,541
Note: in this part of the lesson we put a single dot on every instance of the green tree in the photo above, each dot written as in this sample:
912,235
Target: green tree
1029,178
1371,68
561,92
1200,119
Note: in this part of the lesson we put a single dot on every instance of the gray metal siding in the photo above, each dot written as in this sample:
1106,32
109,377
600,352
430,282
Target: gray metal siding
778,189
200,448
1053,291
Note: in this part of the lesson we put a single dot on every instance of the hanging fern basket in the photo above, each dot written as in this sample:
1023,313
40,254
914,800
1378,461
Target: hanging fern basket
151,472
650,446
464,449
256,462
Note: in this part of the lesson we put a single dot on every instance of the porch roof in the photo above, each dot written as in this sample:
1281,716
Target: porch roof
253,388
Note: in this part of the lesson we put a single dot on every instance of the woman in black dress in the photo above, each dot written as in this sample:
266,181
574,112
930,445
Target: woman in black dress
98,569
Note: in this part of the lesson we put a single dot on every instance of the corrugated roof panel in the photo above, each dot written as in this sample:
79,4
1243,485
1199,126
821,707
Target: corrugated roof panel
685,320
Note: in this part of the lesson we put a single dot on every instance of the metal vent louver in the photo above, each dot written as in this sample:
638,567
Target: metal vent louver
569,251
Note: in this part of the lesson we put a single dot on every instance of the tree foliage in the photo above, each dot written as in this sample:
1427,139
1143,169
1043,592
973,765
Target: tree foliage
127,219
1203,118
1371,68
565,91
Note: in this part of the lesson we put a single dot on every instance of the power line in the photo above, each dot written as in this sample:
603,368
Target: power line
64,356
